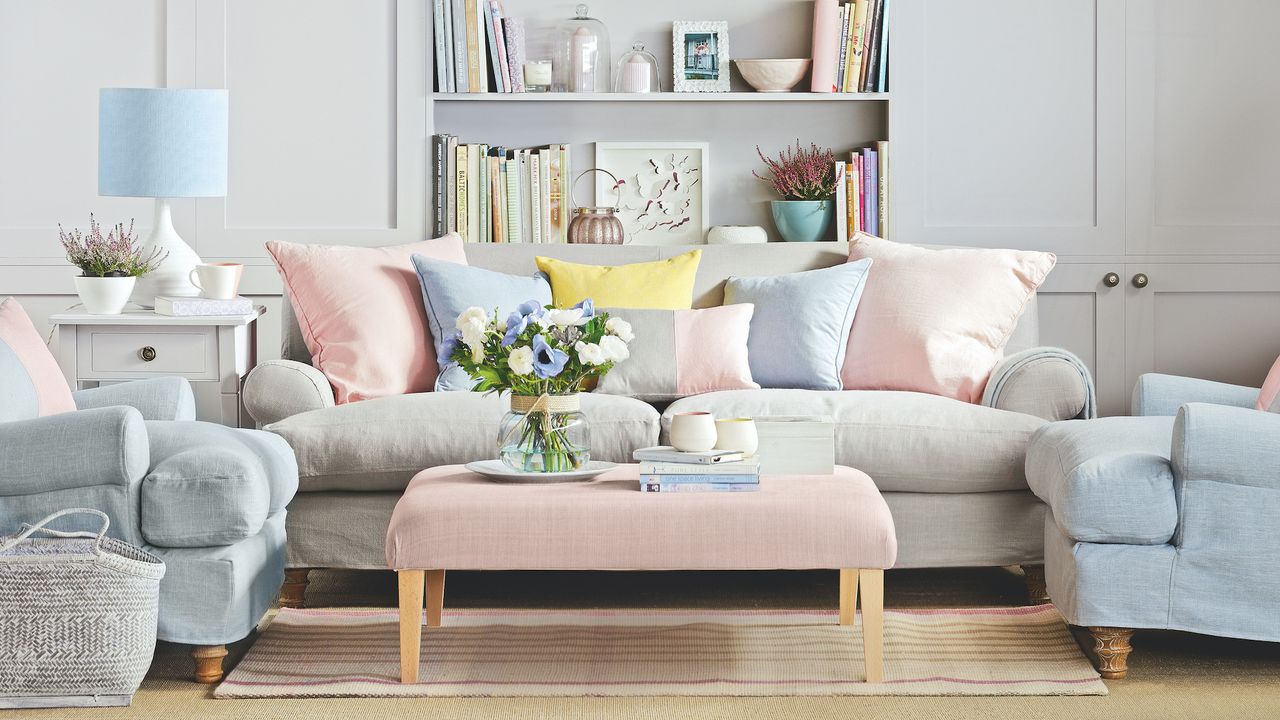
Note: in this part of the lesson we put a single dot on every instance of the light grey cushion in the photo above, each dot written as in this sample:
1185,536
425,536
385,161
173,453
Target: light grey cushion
276,389
800,329
1050,383
1158,394
161,398
381,444
1107,480
909,442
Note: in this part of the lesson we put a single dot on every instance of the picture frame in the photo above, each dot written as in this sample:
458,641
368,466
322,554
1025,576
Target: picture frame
663,196
700,56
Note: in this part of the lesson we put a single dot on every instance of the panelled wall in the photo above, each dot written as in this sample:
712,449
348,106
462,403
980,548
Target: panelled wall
1133,137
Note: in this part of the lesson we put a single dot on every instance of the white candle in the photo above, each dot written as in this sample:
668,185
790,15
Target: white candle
637,77
582,72
537,73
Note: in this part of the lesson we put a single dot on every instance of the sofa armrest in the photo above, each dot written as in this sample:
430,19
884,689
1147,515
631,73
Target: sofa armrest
1048,383
1226,445
1157,394
103,446
162,398
277,389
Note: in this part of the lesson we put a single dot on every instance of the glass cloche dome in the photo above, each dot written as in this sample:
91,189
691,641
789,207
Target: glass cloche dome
637,72
583,54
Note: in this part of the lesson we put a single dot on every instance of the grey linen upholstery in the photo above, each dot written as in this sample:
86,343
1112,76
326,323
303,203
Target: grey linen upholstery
162,398
277,389
1048,383
1157,394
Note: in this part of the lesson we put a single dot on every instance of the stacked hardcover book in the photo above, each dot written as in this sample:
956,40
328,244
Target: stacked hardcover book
492,194
477,47
862,193
862,65
665,469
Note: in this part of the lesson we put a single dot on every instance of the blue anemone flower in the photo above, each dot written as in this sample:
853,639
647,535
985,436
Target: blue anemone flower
547,361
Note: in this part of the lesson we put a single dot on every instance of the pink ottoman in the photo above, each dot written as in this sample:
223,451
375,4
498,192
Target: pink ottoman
450,518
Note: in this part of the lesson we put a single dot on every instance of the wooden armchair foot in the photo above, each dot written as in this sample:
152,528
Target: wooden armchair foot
294,588
208,662
1111,650
1037,589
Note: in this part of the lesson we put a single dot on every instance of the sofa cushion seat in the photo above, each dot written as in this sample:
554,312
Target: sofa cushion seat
906,442
379,445
1107,480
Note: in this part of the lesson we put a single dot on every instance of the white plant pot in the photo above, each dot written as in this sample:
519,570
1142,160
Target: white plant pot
693,431
104,295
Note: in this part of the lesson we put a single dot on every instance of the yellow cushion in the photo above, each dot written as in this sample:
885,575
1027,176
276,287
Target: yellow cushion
661,285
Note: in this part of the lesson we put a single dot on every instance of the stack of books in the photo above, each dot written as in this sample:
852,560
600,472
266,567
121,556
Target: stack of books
477,46
863,63
665,469
862,193
493,194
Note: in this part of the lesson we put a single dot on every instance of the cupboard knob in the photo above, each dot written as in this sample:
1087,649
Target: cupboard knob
147,354
1111,279
1140,281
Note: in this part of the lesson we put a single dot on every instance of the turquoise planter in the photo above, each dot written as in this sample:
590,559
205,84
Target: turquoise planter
803,220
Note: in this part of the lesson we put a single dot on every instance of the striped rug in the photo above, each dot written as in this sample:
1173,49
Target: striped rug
354,653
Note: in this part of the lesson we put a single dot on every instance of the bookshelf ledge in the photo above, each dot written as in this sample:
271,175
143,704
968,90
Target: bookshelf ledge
660,97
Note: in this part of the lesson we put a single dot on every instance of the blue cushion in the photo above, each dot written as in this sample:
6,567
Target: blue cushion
800,328
449,288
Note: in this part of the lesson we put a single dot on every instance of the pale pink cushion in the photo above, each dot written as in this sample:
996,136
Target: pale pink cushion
937,321
361,313
1270,388
452,519
52,393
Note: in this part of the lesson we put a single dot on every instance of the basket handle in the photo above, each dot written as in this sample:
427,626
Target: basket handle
29,530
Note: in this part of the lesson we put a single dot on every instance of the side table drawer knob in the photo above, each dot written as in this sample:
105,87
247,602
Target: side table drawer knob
147,353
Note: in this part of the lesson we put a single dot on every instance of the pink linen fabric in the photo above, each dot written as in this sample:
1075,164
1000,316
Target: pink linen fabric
53,395
711,349
361,313
1270,388
937,321
450,518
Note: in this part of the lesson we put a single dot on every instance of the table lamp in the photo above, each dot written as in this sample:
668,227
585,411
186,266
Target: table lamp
163,143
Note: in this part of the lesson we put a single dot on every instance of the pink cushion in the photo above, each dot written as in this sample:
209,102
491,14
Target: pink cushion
1270,388
361,313
937,321
450,518
16,331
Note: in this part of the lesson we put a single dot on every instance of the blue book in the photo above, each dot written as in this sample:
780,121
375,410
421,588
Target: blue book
693,479
882,82
871,187
697,487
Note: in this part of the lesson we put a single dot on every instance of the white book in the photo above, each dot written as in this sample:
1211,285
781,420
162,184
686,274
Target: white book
482,45
442,55
668,454
526,195
199,306
544,162
651,487
473,194
482,190
842,203
746,466
460,45
447,60
535,189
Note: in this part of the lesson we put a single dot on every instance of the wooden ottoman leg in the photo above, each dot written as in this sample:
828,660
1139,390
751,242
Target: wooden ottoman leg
411,582
208,662
1037,589
872,582
435,597
294,587
1111,648
848,596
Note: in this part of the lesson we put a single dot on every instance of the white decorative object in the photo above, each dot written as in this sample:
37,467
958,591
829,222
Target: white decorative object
537,76
767,75
663,196
104,295
498,470
796,445
737,434
700,56
638,72
201,307
217,281
693,431
737,235
583,54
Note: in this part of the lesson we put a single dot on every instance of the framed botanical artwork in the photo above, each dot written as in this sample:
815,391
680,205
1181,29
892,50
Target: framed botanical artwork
660,189
700,56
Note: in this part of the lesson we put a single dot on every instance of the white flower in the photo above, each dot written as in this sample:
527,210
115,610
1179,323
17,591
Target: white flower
590,353
565,318
614,348
521,360
543,319
621,328
472,316
477,354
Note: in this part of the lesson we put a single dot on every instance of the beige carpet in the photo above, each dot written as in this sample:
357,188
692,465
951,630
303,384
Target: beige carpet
581,653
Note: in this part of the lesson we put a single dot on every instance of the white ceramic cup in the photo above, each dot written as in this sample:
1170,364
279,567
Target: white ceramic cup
737,434
218,281
693,431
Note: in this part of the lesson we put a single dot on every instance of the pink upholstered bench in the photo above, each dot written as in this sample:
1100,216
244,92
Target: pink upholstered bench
450,518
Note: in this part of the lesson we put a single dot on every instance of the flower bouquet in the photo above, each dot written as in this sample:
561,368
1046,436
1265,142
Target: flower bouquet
542,356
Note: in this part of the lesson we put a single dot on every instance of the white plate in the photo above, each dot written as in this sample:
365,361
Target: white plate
498,471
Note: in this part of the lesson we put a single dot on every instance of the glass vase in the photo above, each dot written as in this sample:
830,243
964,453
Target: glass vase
544,434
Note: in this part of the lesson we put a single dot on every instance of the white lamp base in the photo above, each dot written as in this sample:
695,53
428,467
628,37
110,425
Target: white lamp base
173,276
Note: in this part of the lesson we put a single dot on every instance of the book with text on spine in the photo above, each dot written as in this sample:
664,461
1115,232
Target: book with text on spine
668,454
200,307
713,479
749,466
663,487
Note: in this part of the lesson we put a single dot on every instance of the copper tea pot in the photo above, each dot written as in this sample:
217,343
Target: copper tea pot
596,225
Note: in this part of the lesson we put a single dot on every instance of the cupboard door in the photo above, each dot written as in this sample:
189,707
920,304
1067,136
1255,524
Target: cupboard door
1203,107
1213,321
1080,313
1006,123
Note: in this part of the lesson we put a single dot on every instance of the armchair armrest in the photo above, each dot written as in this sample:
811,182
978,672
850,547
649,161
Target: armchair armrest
1048,383
162,398
1226,445
277,389
1157,394
103,446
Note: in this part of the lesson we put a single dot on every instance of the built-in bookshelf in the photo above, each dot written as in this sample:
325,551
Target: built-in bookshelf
666,97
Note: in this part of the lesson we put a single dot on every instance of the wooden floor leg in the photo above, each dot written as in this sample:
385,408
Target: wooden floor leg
1037,589
208,662
411,583
294,588
1111,650
435,597
848,595
872,588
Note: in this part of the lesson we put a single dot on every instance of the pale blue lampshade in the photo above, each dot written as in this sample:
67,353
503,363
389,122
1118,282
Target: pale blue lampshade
162,143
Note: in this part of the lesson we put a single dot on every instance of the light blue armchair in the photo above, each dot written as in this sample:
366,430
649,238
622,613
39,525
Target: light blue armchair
209,500
1168,520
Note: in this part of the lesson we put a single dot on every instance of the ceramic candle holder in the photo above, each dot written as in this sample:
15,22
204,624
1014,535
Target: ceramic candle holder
737,434
693,431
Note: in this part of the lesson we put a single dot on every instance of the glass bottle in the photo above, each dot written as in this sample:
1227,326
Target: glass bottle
583,54
637,72
547,434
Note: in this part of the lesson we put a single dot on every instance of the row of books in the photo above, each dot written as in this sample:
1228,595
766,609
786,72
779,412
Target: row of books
863,64
476,44
493,194
665,469
862,193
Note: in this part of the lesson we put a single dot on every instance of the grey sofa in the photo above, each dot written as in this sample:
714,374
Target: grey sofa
207,499
952,472
1164,521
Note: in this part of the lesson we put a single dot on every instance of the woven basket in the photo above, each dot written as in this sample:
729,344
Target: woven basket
77,616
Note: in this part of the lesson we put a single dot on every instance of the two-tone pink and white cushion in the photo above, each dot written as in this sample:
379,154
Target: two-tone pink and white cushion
31,384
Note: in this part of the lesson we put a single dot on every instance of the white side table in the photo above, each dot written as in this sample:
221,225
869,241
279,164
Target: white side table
214,352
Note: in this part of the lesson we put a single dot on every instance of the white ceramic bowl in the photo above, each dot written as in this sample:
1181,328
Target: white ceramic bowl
766,75
693,431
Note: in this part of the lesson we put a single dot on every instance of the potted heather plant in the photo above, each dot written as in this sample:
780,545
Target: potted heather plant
805,180
109,266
